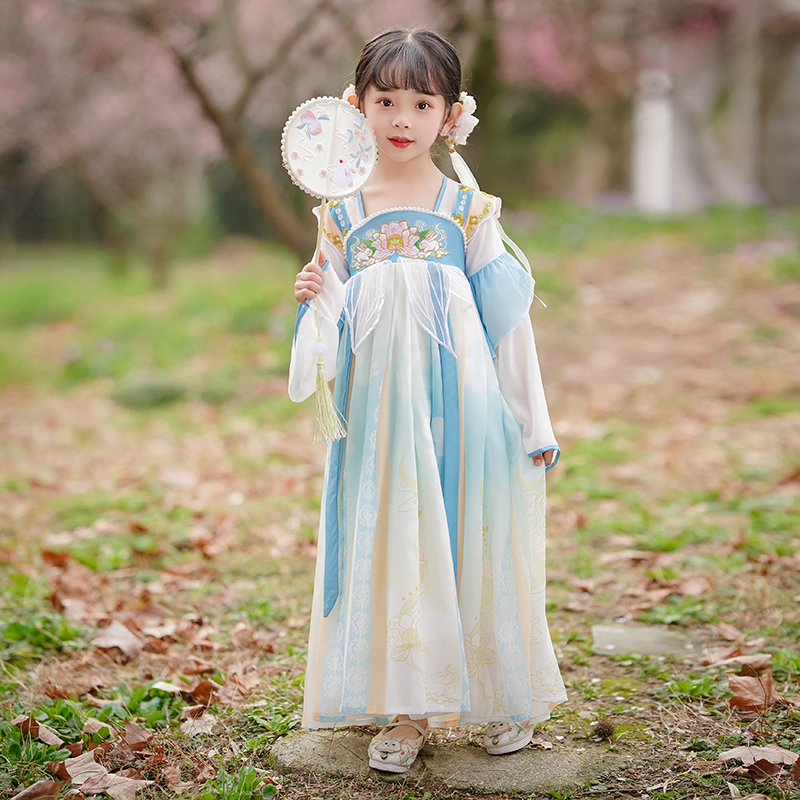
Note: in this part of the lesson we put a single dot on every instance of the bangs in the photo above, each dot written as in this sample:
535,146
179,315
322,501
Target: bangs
406,66
415,60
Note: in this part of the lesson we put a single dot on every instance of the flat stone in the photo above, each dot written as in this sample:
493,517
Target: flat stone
643,640
459,766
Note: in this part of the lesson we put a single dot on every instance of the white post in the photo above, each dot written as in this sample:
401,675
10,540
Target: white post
653,143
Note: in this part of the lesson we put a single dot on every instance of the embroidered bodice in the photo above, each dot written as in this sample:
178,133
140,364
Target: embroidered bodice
438,235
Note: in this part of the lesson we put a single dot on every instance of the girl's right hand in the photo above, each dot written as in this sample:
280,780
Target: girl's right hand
309,280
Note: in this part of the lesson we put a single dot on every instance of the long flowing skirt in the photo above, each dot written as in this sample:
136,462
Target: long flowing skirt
412,633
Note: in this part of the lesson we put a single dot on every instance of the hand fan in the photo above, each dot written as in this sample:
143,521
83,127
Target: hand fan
330,151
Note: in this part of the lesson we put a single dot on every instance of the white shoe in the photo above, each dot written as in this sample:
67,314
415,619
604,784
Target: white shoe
390,754
506,737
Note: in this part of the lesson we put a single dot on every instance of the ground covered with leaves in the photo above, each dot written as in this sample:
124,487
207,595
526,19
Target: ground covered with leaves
159,499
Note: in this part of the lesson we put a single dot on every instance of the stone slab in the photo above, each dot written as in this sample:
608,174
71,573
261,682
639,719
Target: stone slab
460,766
644,641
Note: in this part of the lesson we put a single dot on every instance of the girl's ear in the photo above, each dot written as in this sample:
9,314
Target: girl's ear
352,99
455,112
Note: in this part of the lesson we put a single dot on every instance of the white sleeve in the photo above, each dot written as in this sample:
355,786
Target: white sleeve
305,347
521,384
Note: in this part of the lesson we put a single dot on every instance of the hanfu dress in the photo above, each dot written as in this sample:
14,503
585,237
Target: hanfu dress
429,594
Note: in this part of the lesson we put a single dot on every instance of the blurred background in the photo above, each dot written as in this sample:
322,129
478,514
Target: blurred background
152,128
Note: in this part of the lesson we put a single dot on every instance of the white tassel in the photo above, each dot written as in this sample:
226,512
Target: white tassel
462,170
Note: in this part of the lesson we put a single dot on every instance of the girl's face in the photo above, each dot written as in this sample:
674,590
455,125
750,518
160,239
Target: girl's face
407,122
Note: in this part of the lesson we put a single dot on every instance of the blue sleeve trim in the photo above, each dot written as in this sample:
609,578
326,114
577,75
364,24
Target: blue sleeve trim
544,450
503,291
304,306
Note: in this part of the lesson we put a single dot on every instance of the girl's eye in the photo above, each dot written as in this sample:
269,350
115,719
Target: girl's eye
423,105
385,102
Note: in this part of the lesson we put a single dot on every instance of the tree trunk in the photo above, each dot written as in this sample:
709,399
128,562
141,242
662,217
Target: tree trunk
264,189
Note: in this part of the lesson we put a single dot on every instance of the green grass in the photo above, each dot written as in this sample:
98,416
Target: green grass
65,320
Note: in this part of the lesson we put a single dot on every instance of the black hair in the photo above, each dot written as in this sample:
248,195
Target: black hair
406,58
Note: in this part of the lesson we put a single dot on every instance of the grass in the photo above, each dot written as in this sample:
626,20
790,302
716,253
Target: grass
155,467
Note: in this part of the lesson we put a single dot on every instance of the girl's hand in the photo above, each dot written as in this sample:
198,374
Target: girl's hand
309,280
547,457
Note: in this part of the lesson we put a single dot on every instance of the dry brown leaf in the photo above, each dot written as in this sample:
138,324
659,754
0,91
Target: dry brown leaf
728,632
757,661
795,771
621,556
542,744
164,686
118,642
756,797
203,691
172,777
135,736
93,725
41,790
192,712
749,755
116,786
83,767
197,725
205,772
752,694
733,789
762,768
694,587
28,725
121,753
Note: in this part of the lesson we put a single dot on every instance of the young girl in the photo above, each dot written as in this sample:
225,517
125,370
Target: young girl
429,605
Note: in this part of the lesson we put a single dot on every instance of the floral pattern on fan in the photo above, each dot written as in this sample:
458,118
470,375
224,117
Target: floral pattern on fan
329,148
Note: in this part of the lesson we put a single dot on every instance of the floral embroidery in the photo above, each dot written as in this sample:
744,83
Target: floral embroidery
309,123
401,238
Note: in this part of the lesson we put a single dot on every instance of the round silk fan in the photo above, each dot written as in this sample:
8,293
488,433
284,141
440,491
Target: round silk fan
330,151
329,148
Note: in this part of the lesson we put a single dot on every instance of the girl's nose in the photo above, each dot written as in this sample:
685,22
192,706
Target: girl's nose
400,121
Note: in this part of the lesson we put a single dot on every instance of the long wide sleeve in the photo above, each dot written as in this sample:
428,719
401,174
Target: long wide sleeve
503,291
330,301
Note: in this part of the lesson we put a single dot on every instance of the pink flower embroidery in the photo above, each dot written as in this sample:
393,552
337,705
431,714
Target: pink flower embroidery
395,237
310,123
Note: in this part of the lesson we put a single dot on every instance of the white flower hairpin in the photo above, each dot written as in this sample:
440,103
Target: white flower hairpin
465,123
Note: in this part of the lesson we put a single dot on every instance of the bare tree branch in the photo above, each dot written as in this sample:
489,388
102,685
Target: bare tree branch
278,59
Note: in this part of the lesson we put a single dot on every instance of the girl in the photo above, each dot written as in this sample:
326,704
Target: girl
428,607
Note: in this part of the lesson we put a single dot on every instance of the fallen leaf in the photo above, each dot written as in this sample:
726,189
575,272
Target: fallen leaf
135,736
172,777
121,753
763,768
93,725
757,661
728,632
733,789
83,767
41,790
694,587
542,744
203,691
756,797
795,771
28,725
749,755
116,786
118,642
192,712
172,688
752,694
197,725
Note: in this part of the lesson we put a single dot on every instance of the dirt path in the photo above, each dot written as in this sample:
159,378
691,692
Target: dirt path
674,382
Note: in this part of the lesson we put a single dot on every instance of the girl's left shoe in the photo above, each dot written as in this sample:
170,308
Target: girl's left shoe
500,738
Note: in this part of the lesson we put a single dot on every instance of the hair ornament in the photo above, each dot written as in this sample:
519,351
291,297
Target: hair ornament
465,123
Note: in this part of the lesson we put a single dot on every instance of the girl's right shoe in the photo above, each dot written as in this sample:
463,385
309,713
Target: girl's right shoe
500,738
392,754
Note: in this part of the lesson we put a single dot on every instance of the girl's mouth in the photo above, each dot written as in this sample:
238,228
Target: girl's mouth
400,141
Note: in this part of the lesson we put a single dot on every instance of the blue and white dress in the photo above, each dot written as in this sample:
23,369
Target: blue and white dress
429,594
